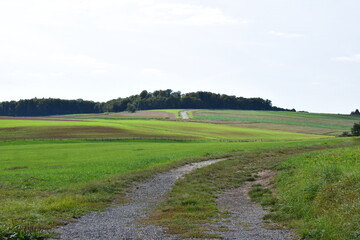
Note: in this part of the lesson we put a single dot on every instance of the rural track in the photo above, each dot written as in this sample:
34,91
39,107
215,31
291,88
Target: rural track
245,219
124,221
184,115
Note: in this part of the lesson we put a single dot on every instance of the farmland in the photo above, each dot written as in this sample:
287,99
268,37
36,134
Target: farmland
124,129
59,167
302,122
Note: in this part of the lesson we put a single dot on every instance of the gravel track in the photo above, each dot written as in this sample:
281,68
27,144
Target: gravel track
121,222
245,221
184,115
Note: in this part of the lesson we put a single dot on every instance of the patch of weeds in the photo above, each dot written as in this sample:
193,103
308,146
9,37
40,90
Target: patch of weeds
272,226
262,195
21,233
244,224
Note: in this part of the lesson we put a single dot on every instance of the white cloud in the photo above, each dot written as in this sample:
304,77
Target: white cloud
285,35
352,58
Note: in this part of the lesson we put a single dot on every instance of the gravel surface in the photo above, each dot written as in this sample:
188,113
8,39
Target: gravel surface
121,222
245,221
184,115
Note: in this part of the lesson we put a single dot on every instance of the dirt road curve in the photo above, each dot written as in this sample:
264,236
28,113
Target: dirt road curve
120,222
184,115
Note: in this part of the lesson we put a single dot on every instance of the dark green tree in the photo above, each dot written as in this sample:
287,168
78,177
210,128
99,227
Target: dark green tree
356,112
355,130
131,108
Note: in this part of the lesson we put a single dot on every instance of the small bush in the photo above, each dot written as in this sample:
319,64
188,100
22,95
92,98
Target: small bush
345,134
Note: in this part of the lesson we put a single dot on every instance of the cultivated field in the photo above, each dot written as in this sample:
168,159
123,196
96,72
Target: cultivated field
95,128
59,167
313,123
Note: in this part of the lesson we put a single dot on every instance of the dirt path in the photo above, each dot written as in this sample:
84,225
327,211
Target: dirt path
245,221
184,115
120,222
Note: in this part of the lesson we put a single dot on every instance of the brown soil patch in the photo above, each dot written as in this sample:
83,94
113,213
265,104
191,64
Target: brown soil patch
161,114
265,178
80,132
52,118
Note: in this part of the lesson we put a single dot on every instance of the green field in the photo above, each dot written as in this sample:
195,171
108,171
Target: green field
316,123
60,167
319,194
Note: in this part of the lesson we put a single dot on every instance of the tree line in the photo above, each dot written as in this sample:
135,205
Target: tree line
160,99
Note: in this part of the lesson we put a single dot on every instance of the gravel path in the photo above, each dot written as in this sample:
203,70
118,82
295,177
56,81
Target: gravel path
245,220
184,115
120,222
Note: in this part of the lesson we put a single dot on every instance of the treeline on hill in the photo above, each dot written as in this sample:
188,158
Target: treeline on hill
160,99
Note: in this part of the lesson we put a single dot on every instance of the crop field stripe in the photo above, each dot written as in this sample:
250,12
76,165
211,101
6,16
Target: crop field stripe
164,129
300,123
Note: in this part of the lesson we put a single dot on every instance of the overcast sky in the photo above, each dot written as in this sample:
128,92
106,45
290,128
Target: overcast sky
302,54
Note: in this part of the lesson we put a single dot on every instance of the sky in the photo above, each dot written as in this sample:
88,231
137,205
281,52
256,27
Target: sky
302,54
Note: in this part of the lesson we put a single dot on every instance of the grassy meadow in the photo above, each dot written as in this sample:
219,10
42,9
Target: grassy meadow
56,168
319,194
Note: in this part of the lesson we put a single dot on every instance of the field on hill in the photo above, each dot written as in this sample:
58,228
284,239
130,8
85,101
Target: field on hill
302,122
59,167
95,128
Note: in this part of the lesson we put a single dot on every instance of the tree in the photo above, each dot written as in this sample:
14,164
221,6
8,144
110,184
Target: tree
144,94
355,130
131,108
356,112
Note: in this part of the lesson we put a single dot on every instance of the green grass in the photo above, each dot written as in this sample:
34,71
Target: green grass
332,124
122,129
319,194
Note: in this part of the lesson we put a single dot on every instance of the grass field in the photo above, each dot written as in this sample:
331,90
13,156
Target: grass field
59,167
316,123
319,194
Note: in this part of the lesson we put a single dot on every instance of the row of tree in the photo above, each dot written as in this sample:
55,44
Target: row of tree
161,99
48,106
